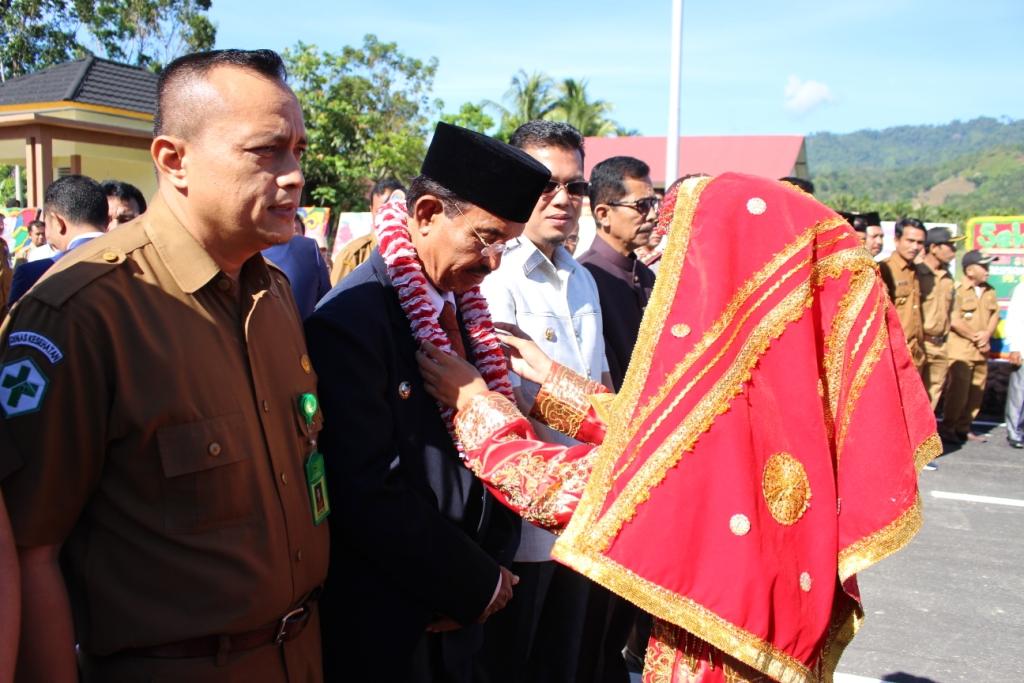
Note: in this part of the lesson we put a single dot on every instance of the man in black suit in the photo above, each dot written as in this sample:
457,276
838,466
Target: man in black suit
417,545
74,212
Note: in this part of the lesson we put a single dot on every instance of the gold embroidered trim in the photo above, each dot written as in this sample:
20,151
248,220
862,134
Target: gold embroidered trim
786,489
662,296
735,305
564,400
540,491
860,380
876,547
929,449
849,310
700,418
687,614
485,414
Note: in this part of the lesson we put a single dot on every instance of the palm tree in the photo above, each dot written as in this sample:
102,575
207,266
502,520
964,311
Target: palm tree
588,117
529,98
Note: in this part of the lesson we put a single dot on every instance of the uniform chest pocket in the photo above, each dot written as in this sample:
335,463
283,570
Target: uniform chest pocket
209,480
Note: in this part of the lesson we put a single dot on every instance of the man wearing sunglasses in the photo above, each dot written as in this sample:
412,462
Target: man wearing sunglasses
625,210
552,298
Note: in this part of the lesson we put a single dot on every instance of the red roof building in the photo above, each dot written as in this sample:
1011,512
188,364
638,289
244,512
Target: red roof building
771,156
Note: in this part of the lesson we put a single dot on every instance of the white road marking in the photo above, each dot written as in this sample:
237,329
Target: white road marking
971,498
850,678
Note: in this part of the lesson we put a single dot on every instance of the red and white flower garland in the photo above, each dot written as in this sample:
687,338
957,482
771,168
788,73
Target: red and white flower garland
406,273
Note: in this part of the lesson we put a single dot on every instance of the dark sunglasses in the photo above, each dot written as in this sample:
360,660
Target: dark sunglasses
644,206
575,188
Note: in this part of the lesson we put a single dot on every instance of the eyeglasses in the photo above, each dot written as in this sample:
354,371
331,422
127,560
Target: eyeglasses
575,188
643,206
494,250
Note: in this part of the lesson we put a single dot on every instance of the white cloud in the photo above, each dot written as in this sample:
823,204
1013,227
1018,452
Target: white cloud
803,96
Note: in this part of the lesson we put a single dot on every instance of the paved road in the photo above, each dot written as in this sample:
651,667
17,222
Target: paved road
950,606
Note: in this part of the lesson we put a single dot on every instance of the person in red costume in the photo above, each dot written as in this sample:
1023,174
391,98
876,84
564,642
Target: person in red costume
764,447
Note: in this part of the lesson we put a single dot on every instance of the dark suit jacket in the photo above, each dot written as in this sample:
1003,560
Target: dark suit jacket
26,275
301,261
414,535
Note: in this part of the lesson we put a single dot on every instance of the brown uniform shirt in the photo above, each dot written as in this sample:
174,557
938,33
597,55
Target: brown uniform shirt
152,422
936,299
977,313
901,281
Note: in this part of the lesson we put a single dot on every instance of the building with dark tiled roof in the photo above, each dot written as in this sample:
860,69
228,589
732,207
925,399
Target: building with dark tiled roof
90,116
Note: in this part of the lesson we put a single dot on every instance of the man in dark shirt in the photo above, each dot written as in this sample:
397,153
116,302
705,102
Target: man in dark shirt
625,211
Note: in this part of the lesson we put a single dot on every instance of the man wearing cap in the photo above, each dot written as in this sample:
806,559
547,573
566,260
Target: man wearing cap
975,316
899,273
937,305
419,547
160,475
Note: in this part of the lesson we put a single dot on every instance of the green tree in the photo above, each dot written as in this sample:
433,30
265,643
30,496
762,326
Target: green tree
574,106
35,34
530,97
147,33
471,116
368,113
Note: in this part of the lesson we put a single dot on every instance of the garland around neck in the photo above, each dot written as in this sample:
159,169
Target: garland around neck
406,273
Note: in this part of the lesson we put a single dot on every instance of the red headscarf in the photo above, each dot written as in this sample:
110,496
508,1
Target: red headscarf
766,442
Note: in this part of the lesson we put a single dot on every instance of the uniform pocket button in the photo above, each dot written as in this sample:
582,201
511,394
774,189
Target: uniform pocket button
214,449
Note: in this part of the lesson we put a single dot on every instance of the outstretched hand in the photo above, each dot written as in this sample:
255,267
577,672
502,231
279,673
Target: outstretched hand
448,378
524,356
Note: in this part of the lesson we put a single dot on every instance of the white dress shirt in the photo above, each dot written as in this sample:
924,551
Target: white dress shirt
558,306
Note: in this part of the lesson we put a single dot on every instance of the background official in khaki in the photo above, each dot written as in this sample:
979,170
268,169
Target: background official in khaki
900,276
153,430
937,307
975,316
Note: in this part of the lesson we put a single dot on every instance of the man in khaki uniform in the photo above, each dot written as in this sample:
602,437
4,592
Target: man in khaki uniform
899,273
937,305
975,316
160,421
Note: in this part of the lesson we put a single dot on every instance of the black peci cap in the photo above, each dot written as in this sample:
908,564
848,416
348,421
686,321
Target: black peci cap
498,178
942,236
974,257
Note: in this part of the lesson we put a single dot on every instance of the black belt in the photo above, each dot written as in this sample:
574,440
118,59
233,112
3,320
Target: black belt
287,628
938,341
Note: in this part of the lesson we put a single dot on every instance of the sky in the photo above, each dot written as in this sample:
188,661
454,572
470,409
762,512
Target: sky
749,67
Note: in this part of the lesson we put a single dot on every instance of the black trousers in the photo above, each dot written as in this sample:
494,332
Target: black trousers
608,623
536,638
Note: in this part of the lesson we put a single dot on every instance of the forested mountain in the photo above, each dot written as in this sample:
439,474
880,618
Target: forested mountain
948,172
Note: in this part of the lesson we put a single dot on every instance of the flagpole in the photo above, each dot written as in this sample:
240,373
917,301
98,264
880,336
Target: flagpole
675,68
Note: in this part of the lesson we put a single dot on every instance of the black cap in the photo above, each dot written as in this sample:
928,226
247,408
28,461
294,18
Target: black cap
498,178
869,217
942,236
974,257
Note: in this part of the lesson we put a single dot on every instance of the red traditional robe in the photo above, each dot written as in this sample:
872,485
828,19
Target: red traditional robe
764,447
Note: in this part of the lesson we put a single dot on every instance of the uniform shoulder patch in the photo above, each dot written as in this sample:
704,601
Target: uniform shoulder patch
36,341
22,387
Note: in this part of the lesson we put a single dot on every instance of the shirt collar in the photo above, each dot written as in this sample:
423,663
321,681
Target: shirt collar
609,254
190,264
82,239
437,299
533,257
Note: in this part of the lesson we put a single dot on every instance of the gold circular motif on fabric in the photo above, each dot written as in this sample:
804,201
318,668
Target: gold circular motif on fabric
680,330
805,582
739,525
786,488
756,206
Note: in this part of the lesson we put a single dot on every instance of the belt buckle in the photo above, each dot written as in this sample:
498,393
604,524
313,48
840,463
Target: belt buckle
285,620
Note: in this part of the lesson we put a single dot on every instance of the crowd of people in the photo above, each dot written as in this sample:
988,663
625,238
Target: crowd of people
215,466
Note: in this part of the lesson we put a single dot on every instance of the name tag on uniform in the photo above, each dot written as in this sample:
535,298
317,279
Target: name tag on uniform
317,483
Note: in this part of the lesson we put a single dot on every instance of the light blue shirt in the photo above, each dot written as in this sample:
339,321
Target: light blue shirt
555,303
